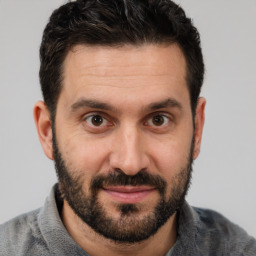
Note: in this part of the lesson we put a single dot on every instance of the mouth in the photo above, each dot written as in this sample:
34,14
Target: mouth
129,194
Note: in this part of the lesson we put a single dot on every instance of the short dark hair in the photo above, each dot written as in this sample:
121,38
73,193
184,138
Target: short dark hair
116,23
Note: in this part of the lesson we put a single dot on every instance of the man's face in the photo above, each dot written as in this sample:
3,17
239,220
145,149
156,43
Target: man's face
124,137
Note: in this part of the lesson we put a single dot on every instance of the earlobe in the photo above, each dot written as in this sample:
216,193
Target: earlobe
199,125
44,127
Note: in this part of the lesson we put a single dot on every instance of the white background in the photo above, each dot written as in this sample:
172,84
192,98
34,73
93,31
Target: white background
225,173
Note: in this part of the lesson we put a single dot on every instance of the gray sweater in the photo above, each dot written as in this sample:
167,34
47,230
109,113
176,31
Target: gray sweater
200,232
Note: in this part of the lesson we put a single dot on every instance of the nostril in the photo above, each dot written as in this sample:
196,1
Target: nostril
120,171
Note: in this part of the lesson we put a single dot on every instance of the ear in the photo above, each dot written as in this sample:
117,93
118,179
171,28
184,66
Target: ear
44,127
199,125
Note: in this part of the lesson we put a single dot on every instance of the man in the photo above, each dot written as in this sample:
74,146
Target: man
122,119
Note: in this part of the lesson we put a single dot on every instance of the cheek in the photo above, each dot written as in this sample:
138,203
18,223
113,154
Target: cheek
171,156
85,154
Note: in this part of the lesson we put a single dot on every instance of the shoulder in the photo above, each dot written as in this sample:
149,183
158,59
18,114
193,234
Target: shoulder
20,235
216,230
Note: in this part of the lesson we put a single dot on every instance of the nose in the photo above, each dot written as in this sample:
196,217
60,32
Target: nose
129,151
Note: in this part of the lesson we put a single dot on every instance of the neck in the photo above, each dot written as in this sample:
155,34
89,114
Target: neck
95,244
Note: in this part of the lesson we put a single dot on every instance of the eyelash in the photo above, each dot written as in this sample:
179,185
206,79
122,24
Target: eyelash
106,123
150,120
92,115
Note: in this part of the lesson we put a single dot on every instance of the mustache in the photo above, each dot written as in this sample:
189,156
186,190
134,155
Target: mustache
119,178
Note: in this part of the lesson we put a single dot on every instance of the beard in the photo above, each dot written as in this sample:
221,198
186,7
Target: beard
131,227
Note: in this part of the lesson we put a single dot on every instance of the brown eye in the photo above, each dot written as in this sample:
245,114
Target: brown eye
96,120
158,120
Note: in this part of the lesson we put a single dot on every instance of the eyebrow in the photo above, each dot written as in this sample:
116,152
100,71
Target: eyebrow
170,102
91,103
95,104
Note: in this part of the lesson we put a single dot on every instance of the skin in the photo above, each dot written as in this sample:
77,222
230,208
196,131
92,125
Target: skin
129,80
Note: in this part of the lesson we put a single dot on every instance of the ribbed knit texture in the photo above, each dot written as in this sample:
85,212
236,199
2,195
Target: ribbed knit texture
200,232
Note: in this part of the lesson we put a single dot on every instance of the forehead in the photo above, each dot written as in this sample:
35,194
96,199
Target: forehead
148,70
107,60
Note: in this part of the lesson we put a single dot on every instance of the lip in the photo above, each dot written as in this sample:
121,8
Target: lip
128,194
